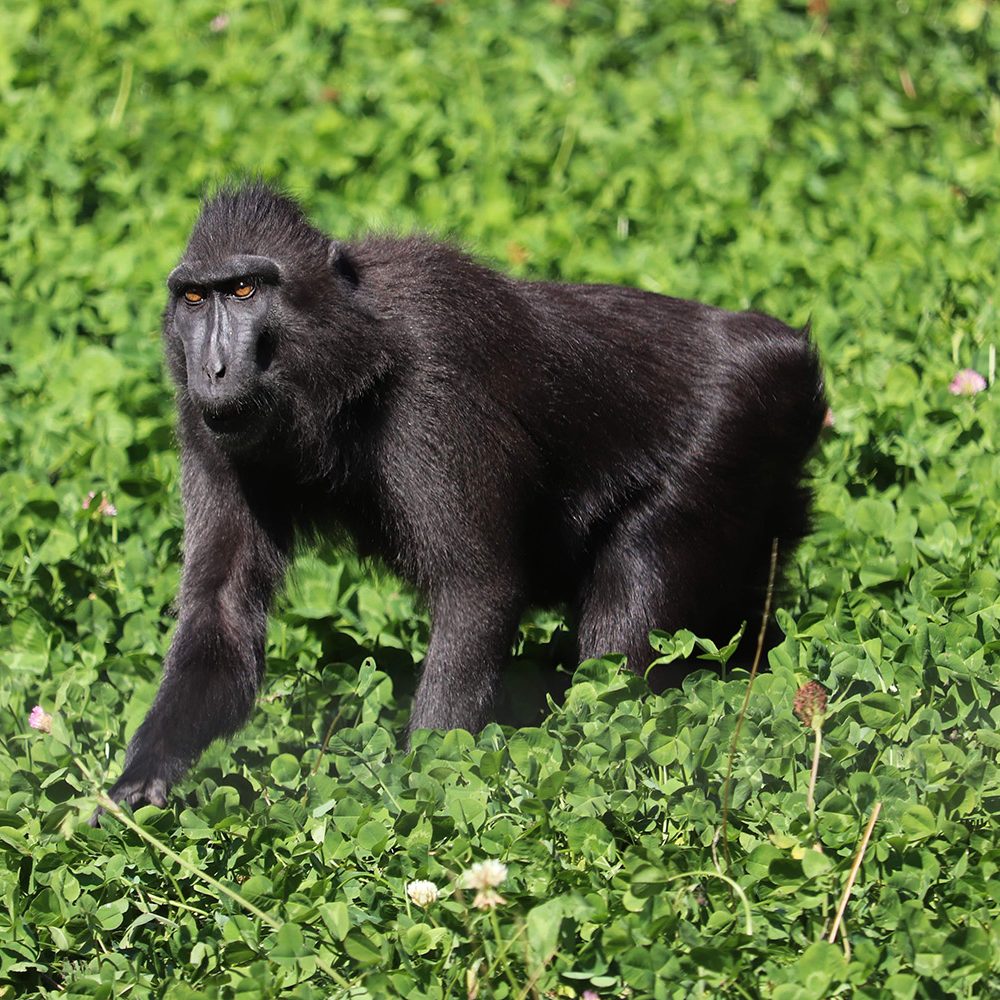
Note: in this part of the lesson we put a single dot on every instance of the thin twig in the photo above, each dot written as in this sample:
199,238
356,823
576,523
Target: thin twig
858,858
727,784
109,805
124,90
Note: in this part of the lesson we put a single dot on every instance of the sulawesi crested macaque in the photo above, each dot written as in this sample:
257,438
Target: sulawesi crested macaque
498,443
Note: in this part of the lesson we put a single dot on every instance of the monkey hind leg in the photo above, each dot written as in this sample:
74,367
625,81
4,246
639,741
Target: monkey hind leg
638,581
774,517
473,628
656,571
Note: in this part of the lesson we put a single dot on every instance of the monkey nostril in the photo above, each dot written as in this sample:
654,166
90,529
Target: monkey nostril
215,373
265,350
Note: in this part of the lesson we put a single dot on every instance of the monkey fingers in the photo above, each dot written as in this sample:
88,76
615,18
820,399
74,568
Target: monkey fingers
134,792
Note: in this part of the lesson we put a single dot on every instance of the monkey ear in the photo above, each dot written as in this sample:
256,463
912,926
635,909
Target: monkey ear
339,259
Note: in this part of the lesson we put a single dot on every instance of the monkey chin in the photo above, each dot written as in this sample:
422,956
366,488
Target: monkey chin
237,431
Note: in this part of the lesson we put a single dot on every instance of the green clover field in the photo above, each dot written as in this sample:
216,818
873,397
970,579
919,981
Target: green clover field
830,161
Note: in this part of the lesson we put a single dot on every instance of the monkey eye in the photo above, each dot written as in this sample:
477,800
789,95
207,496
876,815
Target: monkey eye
192,296
243,288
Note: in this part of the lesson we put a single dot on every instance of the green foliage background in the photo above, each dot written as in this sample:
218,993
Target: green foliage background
840,161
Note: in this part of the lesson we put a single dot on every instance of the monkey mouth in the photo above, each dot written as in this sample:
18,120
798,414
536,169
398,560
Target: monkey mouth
229,421
239,426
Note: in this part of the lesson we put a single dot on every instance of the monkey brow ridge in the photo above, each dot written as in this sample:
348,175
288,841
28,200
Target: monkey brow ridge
223,270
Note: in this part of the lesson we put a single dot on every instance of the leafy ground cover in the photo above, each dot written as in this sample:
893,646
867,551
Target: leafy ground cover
839,159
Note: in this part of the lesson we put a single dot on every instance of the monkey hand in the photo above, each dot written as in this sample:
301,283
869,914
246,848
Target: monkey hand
135,789
147,778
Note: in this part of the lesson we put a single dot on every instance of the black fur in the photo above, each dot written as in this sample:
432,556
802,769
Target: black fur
498,443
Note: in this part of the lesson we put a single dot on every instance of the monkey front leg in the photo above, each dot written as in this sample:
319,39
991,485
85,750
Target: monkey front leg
210,681
472,630
216,660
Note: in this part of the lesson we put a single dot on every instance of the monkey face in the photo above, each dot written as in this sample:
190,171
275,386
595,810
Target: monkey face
219,343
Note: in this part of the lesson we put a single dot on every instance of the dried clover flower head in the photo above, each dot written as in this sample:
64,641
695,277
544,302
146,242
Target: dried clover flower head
810,703
486,899
40,719
422,892
484,875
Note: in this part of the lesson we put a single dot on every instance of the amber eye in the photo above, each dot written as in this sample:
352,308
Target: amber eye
243,289
193,296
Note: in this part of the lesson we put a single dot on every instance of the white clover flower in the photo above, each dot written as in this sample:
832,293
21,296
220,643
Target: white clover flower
484,875
422,892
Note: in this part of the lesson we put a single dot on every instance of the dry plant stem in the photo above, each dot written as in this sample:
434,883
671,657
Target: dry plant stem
858,858
727,784
112,807
472,979
811,793
326,741
109,805
844,941
124,90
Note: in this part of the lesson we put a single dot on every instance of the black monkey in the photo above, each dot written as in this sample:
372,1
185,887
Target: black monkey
498,443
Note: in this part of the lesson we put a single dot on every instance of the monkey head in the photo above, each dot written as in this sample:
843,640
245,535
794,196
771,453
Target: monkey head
255,274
